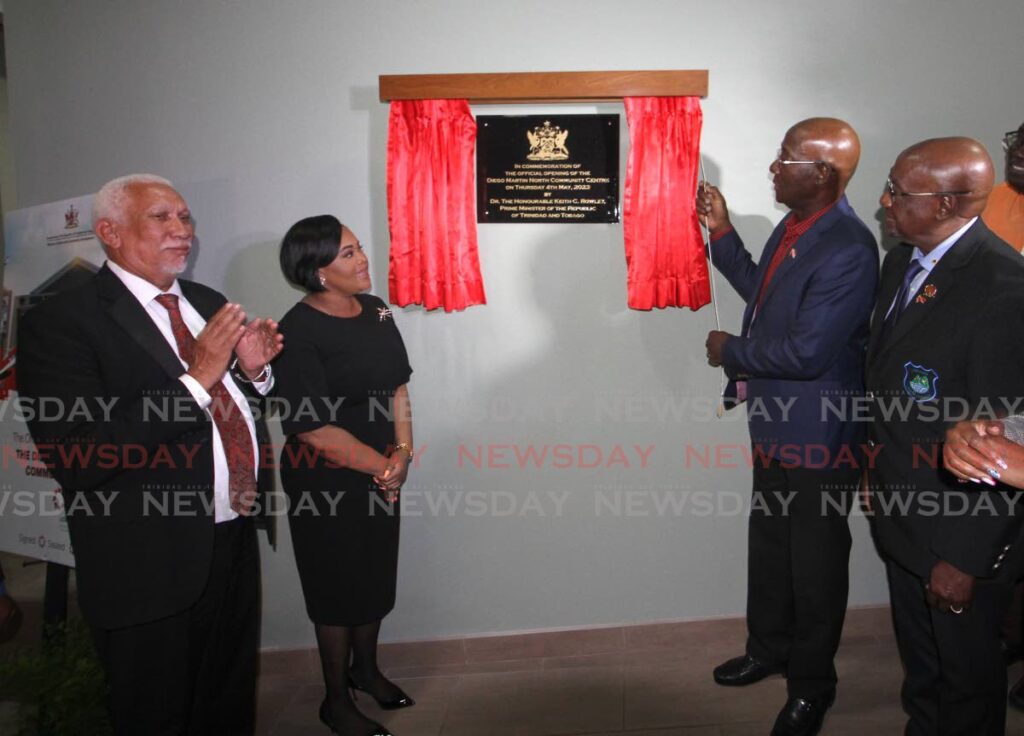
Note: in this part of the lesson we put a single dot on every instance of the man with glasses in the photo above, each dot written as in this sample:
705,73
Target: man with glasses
1004,213
947,339
801,345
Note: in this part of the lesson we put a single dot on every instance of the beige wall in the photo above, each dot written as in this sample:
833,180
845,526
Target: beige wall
264,112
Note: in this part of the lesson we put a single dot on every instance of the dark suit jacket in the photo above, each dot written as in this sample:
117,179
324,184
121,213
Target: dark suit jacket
137,475
959,344
806,345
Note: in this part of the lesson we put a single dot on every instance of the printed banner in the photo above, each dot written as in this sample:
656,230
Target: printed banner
50,248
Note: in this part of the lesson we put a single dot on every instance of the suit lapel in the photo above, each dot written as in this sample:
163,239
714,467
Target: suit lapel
205,301
938,284
762,268
798,253
800,248
126,311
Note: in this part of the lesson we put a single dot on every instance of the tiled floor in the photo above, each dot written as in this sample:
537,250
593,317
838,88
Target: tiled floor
650,680
641,681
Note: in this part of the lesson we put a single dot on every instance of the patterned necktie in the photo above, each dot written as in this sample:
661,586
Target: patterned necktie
234,432
899,303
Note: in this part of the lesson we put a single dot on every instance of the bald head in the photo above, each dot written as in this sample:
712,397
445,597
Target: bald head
830,140
935,188
950,165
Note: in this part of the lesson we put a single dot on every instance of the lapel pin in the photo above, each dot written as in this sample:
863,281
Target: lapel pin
792,252
928,292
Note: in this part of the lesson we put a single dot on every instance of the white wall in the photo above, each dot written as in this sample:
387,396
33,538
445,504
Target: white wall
263,112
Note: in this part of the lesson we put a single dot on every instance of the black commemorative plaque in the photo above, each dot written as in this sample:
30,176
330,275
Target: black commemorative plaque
547,168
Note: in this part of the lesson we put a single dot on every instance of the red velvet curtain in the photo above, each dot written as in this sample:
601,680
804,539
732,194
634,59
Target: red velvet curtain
665,258
431,205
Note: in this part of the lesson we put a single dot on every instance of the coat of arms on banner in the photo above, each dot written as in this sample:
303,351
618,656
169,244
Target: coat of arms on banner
71,218
920,383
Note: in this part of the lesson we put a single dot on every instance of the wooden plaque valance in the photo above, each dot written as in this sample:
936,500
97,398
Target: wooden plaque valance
507,87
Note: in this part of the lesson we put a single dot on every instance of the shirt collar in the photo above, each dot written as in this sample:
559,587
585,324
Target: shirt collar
142,290
931,259
804,225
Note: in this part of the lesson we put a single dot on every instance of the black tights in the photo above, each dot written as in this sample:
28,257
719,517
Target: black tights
338,645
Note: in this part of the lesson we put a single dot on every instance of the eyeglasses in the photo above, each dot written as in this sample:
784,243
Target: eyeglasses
890,189
794,162
1012,140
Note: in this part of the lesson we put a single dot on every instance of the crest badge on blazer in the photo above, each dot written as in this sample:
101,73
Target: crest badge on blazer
920,383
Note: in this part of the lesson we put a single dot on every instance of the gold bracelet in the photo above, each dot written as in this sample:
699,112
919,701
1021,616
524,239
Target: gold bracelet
404,446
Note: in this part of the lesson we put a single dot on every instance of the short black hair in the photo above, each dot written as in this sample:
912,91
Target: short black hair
310,244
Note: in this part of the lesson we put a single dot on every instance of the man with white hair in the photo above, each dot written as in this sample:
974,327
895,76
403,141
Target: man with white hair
160,475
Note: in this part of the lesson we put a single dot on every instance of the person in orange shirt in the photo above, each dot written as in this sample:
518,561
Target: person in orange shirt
1004,213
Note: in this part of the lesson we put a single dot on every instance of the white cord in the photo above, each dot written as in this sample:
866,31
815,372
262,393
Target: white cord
707,245
711,278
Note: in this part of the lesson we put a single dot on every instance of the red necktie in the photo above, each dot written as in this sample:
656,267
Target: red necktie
234,432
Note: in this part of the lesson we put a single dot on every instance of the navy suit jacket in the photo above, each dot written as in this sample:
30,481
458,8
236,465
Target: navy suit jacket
802,354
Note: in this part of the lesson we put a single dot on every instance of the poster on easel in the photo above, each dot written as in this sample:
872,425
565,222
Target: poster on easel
50,248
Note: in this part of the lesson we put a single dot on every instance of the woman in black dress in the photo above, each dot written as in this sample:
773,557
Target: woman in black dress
346,412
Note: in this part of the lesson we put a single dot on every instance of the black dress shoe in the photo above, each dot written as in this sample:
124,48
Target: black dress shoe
802,716
744,670
400,701
325,718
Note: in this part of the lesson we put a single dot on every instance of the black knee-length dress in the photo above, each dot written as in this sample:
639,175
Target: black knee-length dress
340,371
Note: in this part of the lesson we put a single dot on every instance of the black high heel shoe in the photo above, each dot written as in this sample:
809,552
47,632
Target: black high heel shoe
402,701
325,718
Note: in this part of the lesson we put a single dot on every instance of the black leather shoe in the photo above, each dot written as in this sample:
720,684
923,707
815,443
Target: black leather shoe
401,701
744,670
802,716
325,718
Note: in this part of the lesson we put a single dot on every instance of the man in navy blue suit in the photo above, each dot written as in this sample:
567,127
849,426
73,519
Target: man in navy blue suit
798,360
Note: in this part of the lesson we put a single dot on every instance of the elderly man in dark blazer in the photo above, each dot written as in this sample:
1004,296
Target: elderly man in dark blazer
798,361
947,342
160,475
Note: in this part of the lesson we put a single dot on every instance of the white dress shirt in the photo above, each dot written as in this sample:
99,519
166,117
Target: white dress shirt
146,294
929,261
